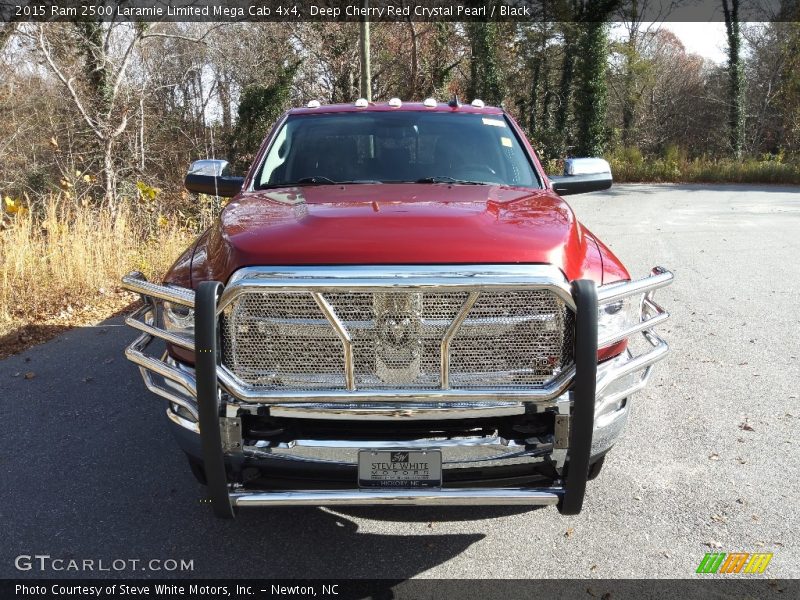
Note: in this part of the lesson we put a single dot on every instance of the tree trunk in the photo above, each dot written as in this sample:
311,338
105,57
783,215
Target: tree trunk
736,114
109,175
484,71
547,101
141,133
592,94
224,93
533,104
629,97
412,88
592,99
565,87
366,69
628,104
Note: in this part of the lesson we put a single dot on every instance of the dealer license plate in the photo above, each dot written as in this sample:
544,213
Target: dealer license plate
399,469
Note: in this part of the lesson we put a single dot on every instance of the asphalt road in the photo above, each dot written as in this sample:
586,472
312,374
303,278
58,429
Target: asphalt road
88,469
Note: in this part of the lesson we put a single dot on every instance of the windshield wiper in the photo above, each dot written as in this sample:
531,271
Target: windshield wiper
446,179
315,180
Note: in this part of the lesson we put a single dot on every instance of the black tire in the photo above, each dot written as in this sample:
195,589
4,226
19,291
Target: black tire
595,467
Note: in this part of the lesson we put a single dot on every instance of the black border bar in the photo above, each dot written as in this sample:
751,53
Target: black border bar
700,588
582,422
206,357
394,11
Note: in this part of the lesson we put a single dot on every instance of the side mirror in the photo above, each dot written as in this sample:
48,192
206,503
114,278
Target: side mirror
211,177
582,175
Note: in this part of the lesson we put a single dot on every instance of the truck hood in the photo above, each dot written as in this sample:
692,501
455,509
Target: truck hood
396,224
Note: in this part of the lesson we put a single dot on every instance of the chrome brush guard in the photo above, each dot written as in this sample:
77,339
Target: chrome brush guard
210,398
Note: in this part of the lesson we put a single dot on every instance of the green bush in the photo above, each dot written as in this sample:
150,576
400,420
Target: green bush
673,166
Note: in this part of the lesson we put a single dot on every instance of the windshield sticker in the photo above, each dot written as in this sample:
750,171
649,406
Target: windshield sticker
505,141
494,122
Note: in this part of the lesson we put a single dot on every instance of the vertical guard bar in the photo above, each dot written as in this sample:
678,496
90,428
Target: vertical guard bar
585,294
206,358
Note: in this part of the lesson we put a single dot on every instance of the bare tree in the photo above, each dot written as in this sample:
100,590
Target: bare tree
95,81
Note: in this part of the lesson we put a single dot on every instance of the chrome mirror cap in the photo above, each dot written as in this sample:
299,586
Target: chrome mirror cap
211,167
583,175
586,166
210,176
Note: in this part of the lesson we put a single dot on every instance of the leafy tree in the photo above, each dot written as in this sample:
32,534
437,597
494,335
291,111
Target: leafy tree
592,96
485,78
736,114
569,34
259,108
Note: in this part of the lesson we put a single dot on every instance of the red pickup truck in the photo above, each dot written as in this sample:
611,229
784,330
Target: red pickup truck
397,307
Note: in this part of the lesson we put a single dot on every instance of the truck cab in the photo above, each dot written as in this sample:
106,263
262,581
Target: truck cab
397,306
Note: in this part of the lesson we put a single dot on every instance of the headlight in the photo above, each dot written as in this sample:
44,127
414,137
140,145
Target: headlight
615,317
178,319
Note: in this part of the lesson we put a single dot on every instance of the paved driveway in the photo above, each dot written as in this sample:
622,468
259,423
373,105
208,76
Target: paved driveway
711,459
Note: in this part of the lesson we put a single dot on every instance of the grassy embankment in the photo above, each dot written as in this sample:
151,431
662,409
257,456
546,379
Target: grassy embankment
628,165
61,268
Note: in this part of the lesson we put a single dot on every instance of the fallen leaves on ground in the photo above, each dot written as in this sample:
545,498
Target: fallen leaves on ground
31,329
745,426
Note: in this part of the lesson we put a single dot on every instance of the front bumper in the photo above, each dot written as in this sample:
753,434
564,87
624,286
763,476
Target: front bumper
589,409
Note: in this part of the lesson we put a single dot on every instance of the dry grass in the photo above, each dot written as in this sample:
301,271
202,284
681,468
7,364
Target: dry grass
629,165
61,268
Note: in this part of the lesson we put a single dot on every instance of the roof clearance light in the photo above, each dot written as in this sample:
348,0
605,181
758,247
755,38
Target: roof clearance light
430,102
313,104
362,103
478,103
395,103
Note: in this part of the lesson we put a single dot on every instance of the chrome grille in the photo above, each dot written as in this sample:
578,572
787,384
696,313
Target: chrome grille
281,341
515,339
397,336
509,339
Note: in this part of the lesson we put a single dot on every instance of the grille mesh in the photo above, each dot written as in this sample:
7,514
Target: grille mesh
397,335
517,339
281,341
514,339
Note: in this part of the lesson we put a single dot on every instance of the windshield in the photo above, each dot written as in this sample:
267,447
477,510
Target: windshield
372,147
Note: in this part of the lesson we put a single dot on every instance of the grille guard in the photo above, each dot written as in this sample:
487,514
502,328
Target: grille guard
200,393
